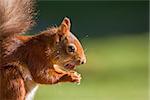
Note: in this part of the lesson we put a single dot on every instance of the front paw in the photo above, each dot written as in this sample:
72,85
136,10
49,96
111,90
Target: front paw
71,77
75,77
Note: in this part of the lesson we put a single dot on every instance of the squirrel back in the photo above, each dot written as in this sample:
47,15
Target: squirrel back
16,17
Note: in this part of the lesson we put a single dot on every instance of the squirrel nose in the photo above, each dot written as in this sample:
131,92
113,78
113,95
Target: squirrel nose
83,61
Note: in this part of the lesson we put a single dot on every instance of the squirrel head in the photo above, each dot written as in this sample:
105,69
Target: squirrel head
67,51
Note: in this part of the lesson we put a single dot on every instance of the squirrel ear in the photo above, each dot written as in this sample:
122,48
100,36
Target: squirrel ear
65,26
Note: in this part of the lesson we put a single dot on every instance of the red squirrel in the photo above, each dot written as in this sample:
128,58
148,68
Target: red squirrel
49,57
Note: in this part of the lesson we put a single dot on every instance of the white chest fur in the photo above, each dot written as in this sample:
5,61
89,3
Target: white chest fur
30,94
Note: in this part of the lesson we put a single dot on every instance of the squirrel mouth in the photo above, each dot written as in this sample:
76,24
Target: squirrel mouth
66,68
69,66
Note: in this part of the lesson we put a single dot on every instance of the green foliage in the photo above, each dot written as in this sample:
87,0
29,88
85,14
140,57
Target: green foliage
116,69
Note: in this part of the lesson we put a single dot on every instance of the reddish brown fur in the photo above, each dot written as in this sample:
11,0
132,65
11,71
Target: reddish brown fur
12,84
31,52
26,61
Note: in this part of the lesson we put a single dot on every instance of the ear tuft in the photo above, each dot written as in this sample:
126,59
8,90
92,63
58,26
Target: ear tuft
66,21
65,25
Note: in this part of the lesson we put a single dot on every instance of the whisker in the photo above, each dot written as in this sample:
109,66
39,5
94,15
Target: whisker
85,50
86,36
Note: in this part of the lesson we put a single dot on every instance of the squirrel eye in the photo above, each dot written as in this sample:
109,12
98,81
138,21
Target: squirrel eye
71,48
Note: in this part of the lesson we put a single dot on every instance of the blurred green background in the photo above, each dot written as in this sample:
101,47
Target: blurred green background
114,35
